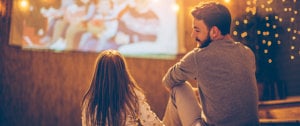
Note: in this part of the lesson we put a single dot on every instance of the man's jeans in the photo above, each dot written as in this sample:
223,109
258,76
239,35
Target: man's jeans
183,108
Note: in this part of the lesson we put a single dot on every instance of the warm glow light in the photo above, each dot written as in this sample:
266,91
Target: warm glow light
266,33
270,1
2,9
235,33
270,61
237,23
292,57
267,18
292,47
248,3
270,9
267,25
269,43
266,51
295,12
24,5
245,21
278,42
258,32
244,34
294,37
292,19
227,1
288,29
175,7
276,35
264,41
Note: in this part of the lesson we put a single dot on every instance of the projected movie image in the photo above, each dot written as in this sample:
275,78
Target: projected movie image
130,26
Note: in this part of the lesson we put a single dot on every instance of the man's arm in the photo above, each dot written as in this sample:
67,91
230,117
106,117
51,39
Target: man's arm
182,71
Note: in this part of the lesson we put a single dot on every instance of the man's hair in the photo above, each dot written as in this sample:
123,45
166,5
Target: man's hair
213,14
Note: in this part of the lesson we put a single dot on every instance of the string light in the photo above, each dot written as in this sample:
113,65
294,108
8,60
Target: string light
271,28
237,23
278,42
292,19
292,47
235,33
270,61
269,43
258,32
248,3
267,18
244,34
266,51
245,21
270,1
292,57
266,33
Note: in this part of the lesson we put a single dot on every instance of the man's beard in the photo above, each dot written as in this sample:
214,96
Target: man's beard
204,43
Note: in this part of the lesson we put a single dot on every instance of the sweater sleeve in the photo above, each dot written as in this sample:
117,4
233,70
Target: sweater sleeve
182,71
146,115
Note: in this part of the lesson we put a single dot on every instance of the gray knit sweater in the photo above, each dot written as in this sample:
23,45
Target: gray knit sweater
225,74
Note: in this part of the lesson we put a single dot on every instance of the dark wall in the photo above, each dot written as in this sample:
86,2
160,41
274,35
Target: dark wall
46,88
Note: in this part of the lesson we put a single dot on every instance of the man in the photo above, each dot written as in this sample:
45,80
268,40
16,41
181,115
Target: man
224,71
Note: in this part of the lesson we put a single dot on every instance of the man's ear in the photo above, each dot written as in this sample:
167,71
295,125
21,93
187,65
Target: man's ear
214,32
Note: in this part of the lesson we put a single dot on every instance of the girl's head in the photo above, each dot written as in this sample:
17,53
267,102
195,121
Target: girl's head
111,96
111,71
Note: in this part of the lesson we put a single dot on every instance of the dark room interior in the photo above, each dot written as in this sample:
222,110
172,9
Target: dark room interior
45,87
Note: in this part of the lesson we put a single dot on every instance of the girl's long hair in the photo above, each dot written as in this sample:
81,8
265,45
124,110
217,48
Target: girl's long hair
111,97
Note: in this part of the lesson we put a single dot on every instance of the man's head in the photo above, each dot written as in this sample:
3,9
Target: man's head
211,20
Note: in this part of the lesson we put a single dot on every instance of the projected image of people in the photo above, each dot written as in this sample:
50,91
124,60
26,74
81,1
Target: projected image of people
130,26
